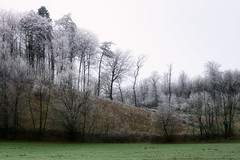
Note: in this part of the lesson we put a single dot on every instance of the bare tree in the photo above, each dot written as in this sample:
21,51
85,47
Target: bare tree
169,82
117,67
120,89
19,80
75,109
183,87
105,52
5,77
39,99
167,122
230,99
166,119
154,95
139,64
197,103
213,77
86,48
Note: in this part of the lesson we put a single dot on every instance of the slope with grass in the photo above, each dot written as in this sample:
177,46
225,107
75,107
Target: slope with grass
122,118
106,118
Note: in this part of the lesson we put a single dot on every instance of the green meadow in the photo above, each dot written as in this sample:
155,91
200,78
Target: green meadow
72,151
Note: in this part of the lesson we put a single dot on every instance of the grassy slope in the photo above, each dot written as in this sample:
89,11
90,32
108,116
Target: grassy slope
107,117
123,118
56,151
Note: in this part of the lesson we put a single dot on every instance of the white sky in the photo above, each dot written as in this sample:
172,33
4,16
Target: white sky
185,33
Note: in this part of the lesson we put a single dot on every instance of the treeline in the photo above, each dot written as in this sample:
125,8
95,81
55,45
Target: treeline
50,71
209,105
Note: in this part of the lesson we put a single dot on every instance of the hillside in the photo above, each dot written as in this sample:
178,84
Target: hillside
123,118
43,119
114,121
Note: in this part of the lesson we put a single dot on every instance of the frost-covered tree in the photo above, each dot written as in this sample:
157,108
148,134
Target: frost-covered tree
167,120
197,103
42,11
37,32
138,66
9,35
116,68
183,86
230,90
154,94
213,77
65,34
107,52
144,90
86,48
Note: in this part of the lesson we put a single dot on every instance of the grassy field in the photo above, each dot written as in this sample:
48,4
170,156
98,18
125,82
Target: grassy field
69,151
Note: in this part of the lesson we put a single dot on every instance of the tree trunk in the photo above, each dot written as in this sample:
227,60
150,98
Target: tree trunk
111,89
41,111
15,117
99,76
120,90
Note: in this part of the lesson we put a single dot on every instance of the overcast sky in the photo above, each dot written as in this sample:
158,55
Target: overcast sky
184,33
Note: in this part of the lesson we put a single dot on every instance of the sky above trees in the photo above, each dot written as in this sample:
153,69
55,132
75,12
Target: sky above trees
184,33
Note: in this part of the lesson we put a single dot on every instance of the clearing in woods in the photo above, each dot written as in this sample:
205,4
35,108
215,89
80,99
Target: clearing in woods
75,151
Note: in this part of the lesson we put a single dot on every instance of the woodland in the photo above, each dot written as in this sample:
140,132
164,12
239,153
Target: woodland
58,81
